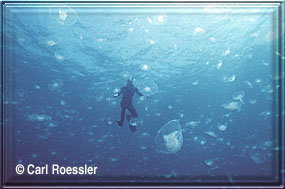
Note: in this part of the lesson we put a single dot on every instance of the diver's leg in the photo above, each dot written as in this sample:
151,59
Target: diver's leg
133,112
132,128
121,122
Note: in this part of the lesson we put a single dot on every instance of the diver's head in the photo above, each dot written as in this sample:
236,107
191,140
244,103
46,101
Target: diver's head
130,81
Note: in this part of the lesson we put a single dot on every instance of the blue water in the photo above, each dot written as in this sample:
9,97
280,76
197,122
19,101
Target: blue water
64,64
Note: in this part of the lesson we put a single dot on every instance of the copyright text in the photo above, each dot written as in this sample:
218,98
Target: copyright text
55,169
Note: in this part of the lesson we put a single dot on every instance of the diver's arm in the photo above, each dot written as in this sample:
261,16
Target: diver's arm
120,92
138,92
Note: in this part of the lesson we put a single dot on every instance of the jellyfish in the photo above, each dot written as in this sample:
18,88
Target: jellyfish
209,162
198,30
148,88
222,127
234,105
58,56
55,84
159,19
144,67
268,89
201,140
21,95
257,155
192,123
169,138
253,101
210,133
239,96
229,78
125,75
99,97
51,124
63,15
38,117
260,153
144,140
248,84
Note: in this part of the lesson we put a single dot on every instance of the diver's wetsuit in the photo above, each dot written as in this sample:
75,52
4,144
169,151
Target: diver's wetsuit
128,92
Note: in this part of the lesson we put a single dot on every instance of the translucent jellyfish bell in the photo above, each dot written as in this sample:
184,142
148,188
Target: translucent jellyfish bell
144,141
125,75
257,155
63,15
55,84
160,19
222,127
198,30
144,67
169,138
239,96
99,97
38,117
229,78
148,87
232,106
21,95
260,153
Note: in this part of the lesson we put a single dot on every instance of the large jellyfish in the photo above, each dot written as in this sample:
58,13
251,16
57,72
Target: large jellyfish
169,138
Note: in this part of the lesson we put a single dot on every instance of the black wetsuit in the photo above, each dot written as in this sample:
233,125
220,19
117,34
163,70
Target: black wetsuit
128,92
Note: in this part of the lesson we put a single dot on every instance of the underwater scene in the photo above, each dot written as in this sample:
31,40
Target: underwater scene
198,87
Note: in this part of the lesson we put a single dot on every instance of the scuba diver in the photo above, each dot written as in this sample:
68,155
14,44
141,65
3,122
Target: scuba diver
128,92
